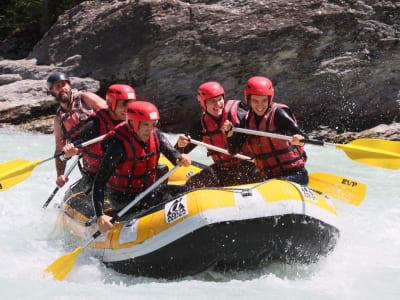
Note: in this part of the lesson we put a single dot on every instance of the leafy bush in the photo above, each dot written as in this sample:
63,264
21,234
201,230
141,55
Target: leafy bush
31,17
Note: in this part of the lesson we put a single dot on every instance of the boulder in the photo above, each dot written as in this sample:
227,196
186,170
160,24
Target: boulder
23,94
335,63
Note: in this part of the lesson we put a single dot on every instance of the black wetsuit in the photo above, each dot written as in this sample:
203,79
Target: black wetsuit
114,154
287,126
217,175
90,131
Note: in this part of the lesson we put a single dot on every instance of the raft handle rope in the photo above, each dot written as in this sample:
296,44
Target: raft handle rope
246,192
88,223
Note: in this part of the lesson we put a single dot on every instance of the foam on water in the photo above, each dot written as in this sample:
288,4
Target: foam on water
364,265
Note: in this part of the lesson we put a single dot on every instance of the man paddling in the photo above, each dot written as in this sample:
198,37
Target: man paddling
118,96
275,158
132,150
226,169
71,115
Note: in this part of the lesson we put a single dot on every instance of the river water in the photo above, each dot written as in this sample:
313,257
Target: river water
364,265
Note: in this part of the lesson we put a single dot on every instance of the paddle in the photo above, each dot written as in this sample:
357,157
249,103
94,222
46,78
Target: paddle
378,153
211,147
18,170
340,188
61,267
69,171
337,187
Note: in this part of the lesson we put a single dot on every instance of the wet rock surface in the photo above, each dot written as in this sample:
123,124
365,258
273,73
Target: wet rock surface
335,63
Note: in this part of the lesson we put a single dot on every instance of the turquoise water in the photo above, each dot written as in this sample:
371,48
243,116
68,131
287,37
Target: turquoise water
364,265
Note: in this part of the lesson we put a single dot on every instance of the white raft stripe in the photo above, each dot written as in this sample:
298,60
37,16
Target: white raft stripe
245,208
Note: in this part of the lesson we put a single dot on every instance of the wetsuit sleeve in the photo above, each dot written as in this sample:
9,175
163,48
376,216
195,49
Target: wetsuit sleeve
242,111
90,131
196,133
285,122
237,140
167,149
114,154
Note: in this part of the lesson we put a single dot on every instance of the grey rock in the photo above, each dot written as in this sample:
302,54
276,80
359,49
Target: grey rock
9,78
335,63
383,131
24,100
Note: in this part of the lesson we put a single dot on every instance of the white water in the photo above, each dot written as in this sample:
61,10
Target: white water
364,265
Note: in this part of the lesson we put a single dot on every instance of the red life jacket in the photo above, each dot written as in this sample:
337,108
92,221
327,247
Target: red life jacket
273,157
92,154
72,122
213,135
139,169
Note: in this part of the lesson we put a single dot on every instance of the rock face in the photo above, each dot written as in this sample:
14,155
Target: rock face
383,131
23,94
336,63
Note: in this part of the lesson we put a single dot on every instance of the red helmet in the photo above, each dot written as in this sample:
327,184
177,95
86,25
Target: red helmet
141,111
119,92
209,90
259,86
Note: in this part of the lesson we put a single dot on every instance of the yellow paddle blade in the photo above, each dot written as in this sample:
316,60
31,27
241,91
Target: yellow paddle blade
340,188
61,267
15,171
379,153
180,175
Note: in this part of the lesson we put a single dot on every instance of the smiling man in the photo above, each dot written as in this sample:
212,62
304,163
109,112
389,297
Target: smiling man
129,165
71,115
274,158
226,169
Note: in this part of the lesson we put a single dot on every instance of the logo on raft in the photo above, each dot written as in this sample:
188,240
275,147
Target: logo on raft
308,194
1,187
349,182
176,210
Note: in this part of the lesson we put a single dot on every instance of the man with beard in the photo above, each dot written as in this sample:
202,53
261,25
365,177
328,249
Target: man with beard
118,97
71,115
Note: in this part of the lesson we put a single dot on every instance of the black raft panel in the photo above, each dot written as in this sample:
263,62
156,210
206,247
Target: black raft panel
236,245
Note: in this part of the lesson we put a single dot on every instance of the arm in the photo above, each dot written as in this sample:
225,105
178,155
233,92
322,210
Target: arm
60,142
90,131
236,140
94,101
284,120
242,111
183,145
114,154
170,152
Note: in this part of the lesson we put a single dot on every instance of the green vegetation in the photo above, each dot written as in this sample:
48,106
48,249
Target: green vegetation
30,18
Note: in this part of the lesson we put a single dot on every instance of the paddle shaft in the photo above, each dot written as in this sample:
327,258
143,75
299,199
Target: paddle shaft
81,145
66,174
218,149
23,169
340,188
283,137
130,205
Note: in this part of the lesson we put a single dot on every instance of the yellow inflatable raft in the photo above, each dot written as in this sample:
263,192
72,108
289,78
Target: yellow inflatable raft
232,228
